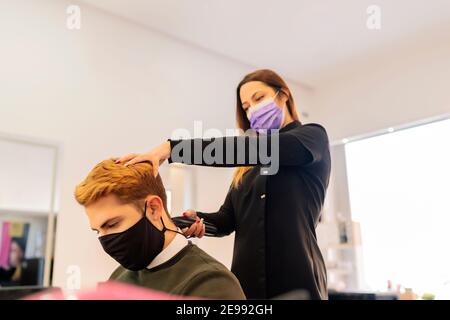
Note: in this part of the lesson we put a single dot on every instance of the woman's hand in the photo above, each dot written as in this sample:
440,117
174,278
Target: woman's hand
155,156
197,229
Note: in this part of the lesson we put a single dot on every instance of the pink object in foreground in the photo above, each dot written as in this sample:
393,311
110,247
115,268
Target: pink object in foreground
107,291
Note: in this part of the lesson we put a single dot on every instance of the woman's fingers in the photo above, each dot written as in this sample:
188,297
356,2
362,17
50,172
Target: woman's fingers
195,229
190,231
200,228
125,158
156,157
203,230
143,158
134,160
190,214
155,168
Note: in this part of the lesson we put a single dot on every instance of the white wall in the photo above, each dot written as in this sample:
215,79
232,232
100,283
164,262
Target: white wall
211,188
389,89
108,89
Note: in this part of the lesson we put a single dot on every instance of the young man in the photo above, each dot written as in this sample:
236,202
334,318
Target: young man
127,207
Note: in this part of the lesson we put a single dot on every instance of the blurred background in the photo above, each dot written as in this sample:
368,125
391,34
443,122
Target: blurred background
82,81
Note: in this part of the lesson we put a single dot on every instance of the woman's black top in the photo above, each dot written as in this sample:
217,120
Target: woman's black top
274,216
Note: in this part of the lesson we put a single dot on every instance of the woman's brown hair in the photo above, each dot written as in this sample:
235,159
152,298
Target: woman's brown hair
274,81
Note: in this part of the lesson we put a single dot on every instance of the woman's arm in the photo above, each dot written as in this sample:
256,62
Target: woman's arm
301,146
294,149
224,220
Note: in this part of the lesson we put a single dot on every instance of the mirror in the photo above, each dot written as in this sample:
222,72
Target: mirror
27,211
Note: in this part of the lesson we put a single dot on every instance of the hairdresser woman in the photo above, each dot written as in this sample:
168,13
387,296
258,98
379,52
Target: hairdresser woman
274,216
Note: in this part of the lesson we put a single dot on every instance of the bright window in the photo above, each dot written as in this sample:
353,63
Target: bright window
400,193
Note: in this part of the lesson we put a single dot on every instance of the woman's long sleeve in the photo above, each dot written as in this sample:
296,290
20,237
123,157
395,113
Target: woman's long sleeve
223,219
297,147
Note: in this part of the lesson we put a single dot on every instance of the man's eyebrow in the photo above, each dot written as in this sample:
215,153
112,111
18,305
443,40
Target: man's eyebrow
105,223
253,95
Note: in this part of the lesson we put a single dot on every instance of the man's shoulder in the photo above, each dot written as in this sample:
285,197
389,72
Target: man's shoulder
209,276
202,258
192,272
192,257
201,263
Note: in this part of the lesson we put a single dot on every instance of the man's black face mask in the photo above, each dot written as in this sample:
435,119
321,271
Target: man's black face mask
137,246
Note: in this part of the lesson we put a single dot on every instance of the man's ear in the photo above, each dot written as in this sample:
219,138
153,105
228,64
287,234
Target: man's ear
154,207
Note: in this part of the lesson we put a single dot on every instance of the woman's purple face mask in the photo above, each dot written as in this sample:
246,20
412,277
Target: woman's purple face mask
265,115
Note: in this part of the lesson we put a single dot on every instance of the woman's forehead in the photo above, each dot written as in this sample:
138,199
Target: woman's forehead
250,88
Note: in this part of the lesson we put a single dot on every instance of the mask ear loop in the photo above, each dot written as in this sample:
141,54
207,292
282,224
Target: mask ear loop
164,226
275,95
284,113
166,229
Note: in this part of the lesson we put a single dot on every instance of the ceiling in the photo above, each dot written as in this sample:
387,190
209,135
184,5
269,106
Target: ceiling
305,40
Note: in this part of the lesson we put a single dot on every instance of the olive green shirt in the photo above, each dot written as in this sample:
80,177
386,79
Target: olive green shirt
191,272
